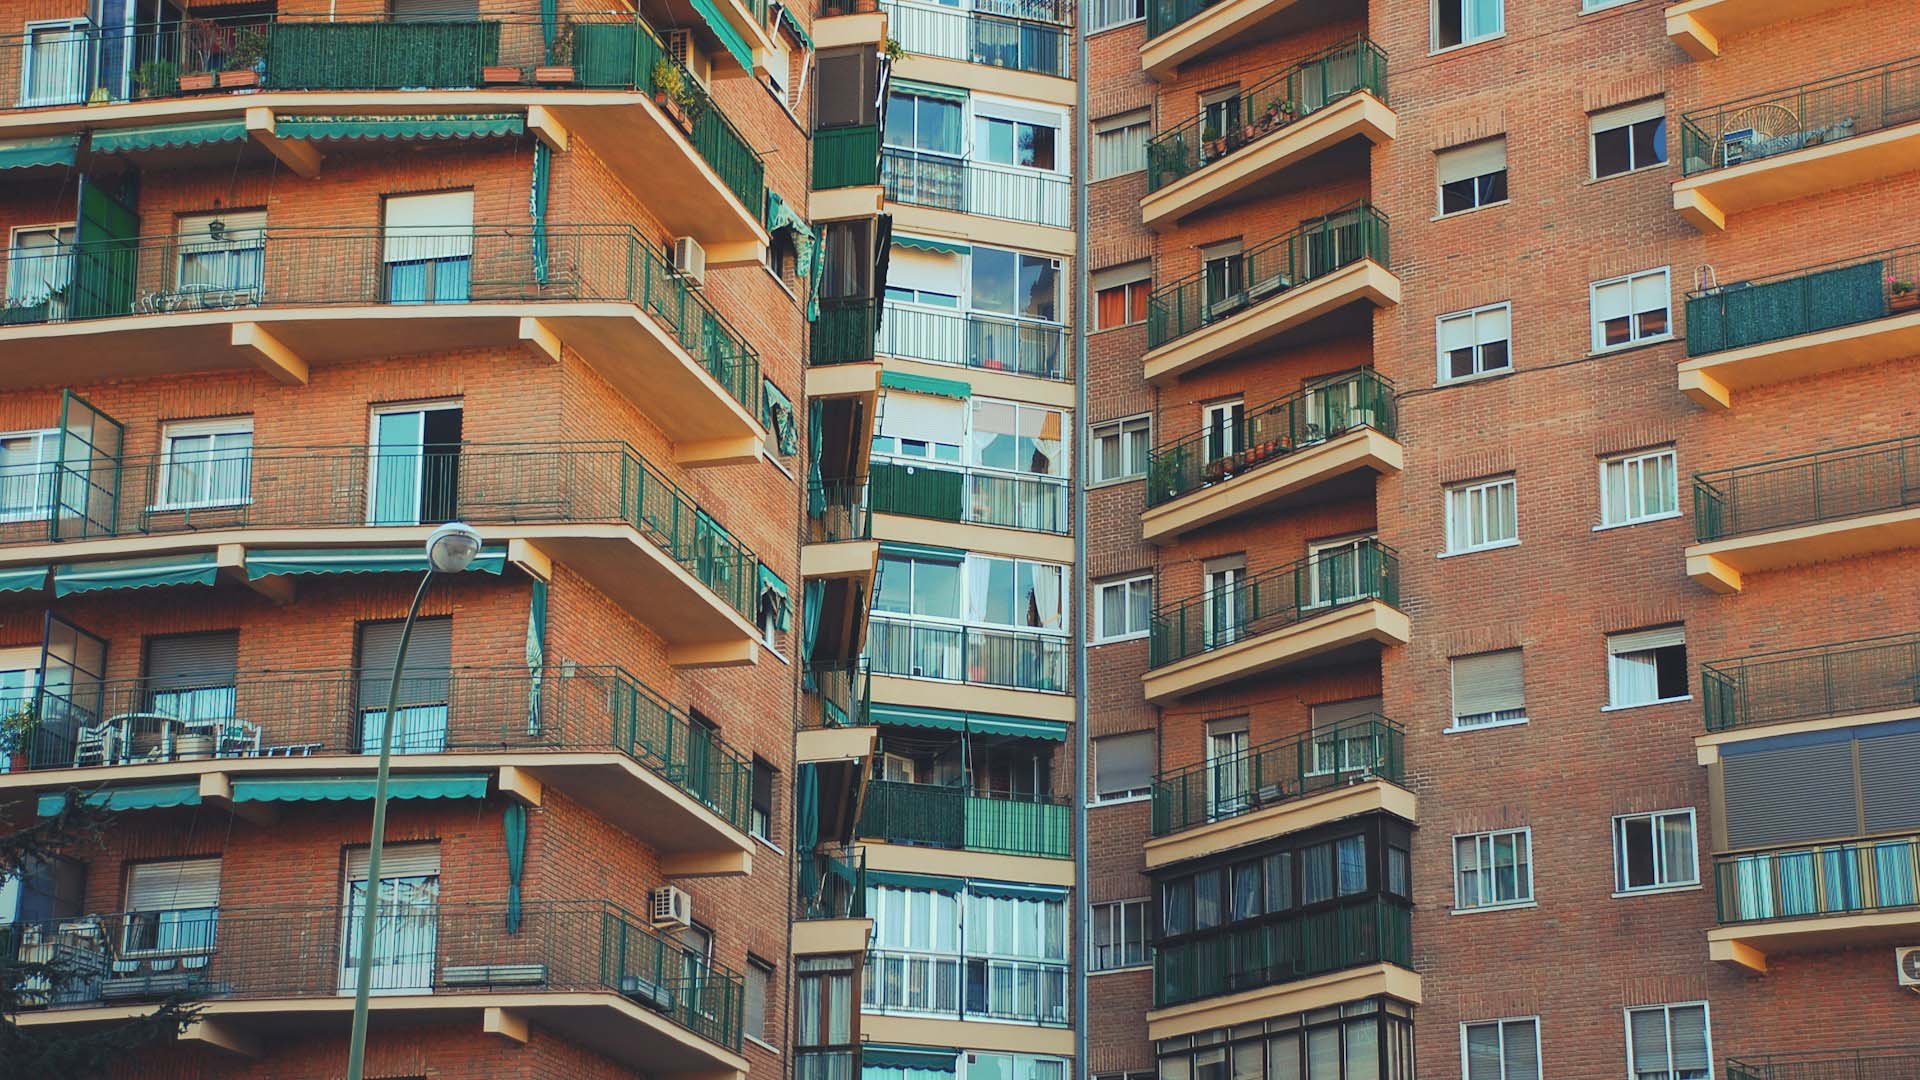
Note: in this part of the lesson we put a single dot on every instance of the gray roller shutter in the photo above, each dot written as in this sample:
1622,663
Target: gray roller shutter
192,660
429,659
1790,795
1890,781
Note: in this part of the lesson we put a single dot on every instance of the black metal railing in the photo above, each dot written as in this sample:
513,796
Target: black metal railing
1829,485
1278,772
1787,305
1878,1063
833,883
1848,678
1274,599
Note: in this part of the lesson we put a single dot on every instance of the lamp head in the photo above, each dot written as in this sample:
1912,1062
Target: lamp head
451,547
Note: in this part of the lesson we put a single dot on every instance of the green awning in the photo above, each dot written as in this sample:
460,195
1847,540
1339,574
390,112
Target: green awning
1009,890
24,578
922,551
899,85
792,22
168,136
343,788
486,126
925,384
269,562
36,153
770,583
917,716
894,879
144,797
196,569
729,37
977,723
917,1058
1019,726
938,247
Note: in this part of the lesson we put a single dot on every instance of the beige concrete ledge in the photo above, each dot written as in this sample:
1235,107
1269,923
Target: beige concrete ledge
1707,747
1275,821
839,204
1352,984
1712,379
845,559
858,28
1748,945
844,380
1225,25
829,937
1701,27
1271,482
974,1034
1057,393
813,746
987,79
946,862
1363,281
1722,565
1359,115
980,229
1708,199
1368,623
989,539
969,697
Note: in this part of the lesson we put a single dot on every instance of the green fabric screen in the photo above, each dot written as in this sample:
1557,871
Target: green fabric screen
792,22
1739,316
922,551
339,128
908,1057
899,85
33,153
513,823
195,569
917,716
536,652
813,595
343,788
1018,726
144,797
268,562
537,198
925,384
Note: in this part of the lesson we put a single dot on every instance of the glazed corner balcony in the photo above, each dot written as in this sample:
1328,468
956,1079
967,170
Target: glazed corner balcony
830,905
956,185
1182,31
1326,441
1823,686
1033,36
1299,945
597,507
1787,144
253,741
588,971
1815,898
967,494
932,815
1800,324
238,79
1324,608
962,653
1813,508
1305,284
1889,1061
1279,788
287,299
1317,105
970,988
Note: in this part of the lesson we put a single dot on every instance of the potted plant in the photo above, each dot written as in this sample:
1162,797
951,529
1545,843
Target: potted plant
559,65
669,85
1902,294
157,78
16,735
1210,137
247,60
195,82
893,50
494,74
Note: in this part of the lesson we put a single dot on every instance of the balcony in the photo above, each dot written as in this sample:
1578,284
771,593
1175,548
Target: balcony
1813,508
1801,324
1701,27
586,75
1825,1064
951,185
955,818
1788,144
1033,36
598,507
1327,608
1327,442
1311,283
1319,105
1183,31
831,894
1295,946
977,655
1841,685
289,299
974,339
969,494
1279,788
589,972
595,734
836,735
1815,897
966,988
846,172
839,545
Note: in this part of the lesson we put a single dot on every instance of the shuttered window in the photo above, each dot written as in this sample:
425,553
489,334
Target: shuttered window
1669,1042
438,226
1472,176
187,660
174,885
429,659
1122,766
1631,309
1489,689
1888,790
1647,666
397,861
1501,1049
433,10
1789,794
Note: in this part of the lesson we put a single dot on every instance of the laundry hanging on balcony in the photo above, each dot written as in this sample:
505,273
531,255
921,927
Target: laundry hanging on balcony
806,247
199,568
773,592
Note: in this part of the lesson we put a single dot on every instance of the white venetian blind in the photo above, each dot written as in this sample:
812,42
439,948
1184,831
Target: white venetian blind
1642,640
1474,159
923,416
175,885
1608,119
1488,683
398,861
437,226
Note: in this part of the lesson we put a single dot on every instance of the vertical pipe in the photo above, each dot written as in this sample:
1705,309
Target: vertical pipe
1082,741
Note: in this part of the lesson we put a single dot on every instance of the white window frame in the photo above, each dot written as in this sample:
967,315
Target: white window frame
1454,723
35,26
1141,119
1485,491
1094,7
1613,674
1594,322
1500,1027
1443,372
43,477
1629,462
1692,881
18,286
1115,912
1453,153
1434,47
1594,133
1119,429
1529,899
1706,1024
164,497
1101,636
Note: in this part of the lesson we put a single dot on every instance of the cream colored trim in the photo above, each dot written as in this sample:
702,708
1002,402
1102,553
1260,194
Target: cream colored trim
542,337
828,937
979,229
1056,393
548,129
1706,200
702,864
844,380
303,158
970,697
818,745
1738,954
221,1035
987,79
1354,624
1338,804
1722,564
1220,26
943,862
1692,35
1701,26
860,28
1365,280
530,559
840,559
1271,481
1302,995
272,355
987,539
974,1034
1707,747
520,785
1749,944
839,204
1359,114
1710,380
506,1023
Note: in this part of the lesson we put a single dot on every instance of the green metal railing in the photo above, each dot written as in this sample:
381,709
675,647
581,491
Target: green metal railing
844,333
839,694
832,883
956,652
953,817
1830,110
1229,286
842,510
1275,599
1879,1063
1826,486
975,339
966,493
1278,772
1270,432
336,714
1271,105
1844,679
358,266
1020,36
1299,945
1783,306
846,157
1818,879
438,949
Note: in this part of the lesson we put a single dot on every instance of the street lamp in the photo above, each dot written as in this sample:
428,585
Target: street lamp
450,548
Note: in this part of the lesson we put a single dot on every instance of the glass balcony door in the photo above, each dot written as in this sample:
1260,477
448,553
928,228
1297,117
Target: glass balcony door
1333,571
406,929
415,468
1227,779
54,67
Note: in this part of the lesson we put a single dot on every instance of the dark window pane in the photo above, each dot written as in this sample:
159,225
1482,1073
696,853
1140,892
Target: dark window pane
1037,150
1206,900
1671,665
1637,839
1611,153
1460,362
1493,187
1447,31
1653,323
1036,286
1615,331
993,280
1493,356
1649,142
1457,196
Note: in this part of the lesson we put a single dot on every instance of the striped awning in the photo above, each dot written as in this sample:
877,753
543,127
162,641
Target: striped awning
925,384
168,136
729,37
396,128
971,722
272,562
922,89
198,568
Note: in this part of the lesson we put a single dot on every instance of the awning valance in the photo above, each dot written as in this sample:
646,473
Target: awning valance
922,551
938,247
918,716
23,578
918,1059
792,22
195,569
40,152
899,85
1017,726
269,562
357,788
894,879
925,384
483,126
971,722
168,136
729,37
142,797
1009,890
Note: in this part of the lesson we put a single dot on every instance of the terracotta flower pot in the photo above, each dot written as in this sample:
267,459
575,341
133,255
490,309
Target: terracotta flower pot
553,73
500,74
193,84
230,80
1904,301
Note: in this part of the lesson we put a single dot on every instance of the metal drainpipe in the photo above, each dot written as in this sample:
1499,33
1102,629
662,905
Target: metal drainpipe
1083,157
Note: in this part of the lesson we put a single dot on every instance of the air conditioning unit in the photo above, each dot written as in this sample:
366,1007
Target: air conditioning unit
690,260
683,50
671,907
1908,960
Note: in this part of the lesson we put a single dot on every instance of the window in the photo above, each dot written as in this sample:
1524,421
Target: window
1012,283
1475,342
206,463
983,1066
1654,851
1223,427
1015,592
1669,1042
1631,309
220,258
1493,869
1488,690
39,269
1018,438
760,821
921,426
1122,609
1463,22
1345,739
1120,295
56,69
848,92
759,987
27,469
1647,667
918,586
1122,766
1223,283
780,70
416,464
189,682
846,267
1473,176
420,718
1120,143
823,1007
1500,1049
1120,449
1639,487
1106,14
1119,935
929,123
428,249
1482,515
171,907
1629,137
1004,141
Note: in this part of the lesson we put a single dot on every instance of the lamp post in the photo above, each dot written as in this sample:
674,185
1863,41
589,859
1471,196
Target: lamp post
450,548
